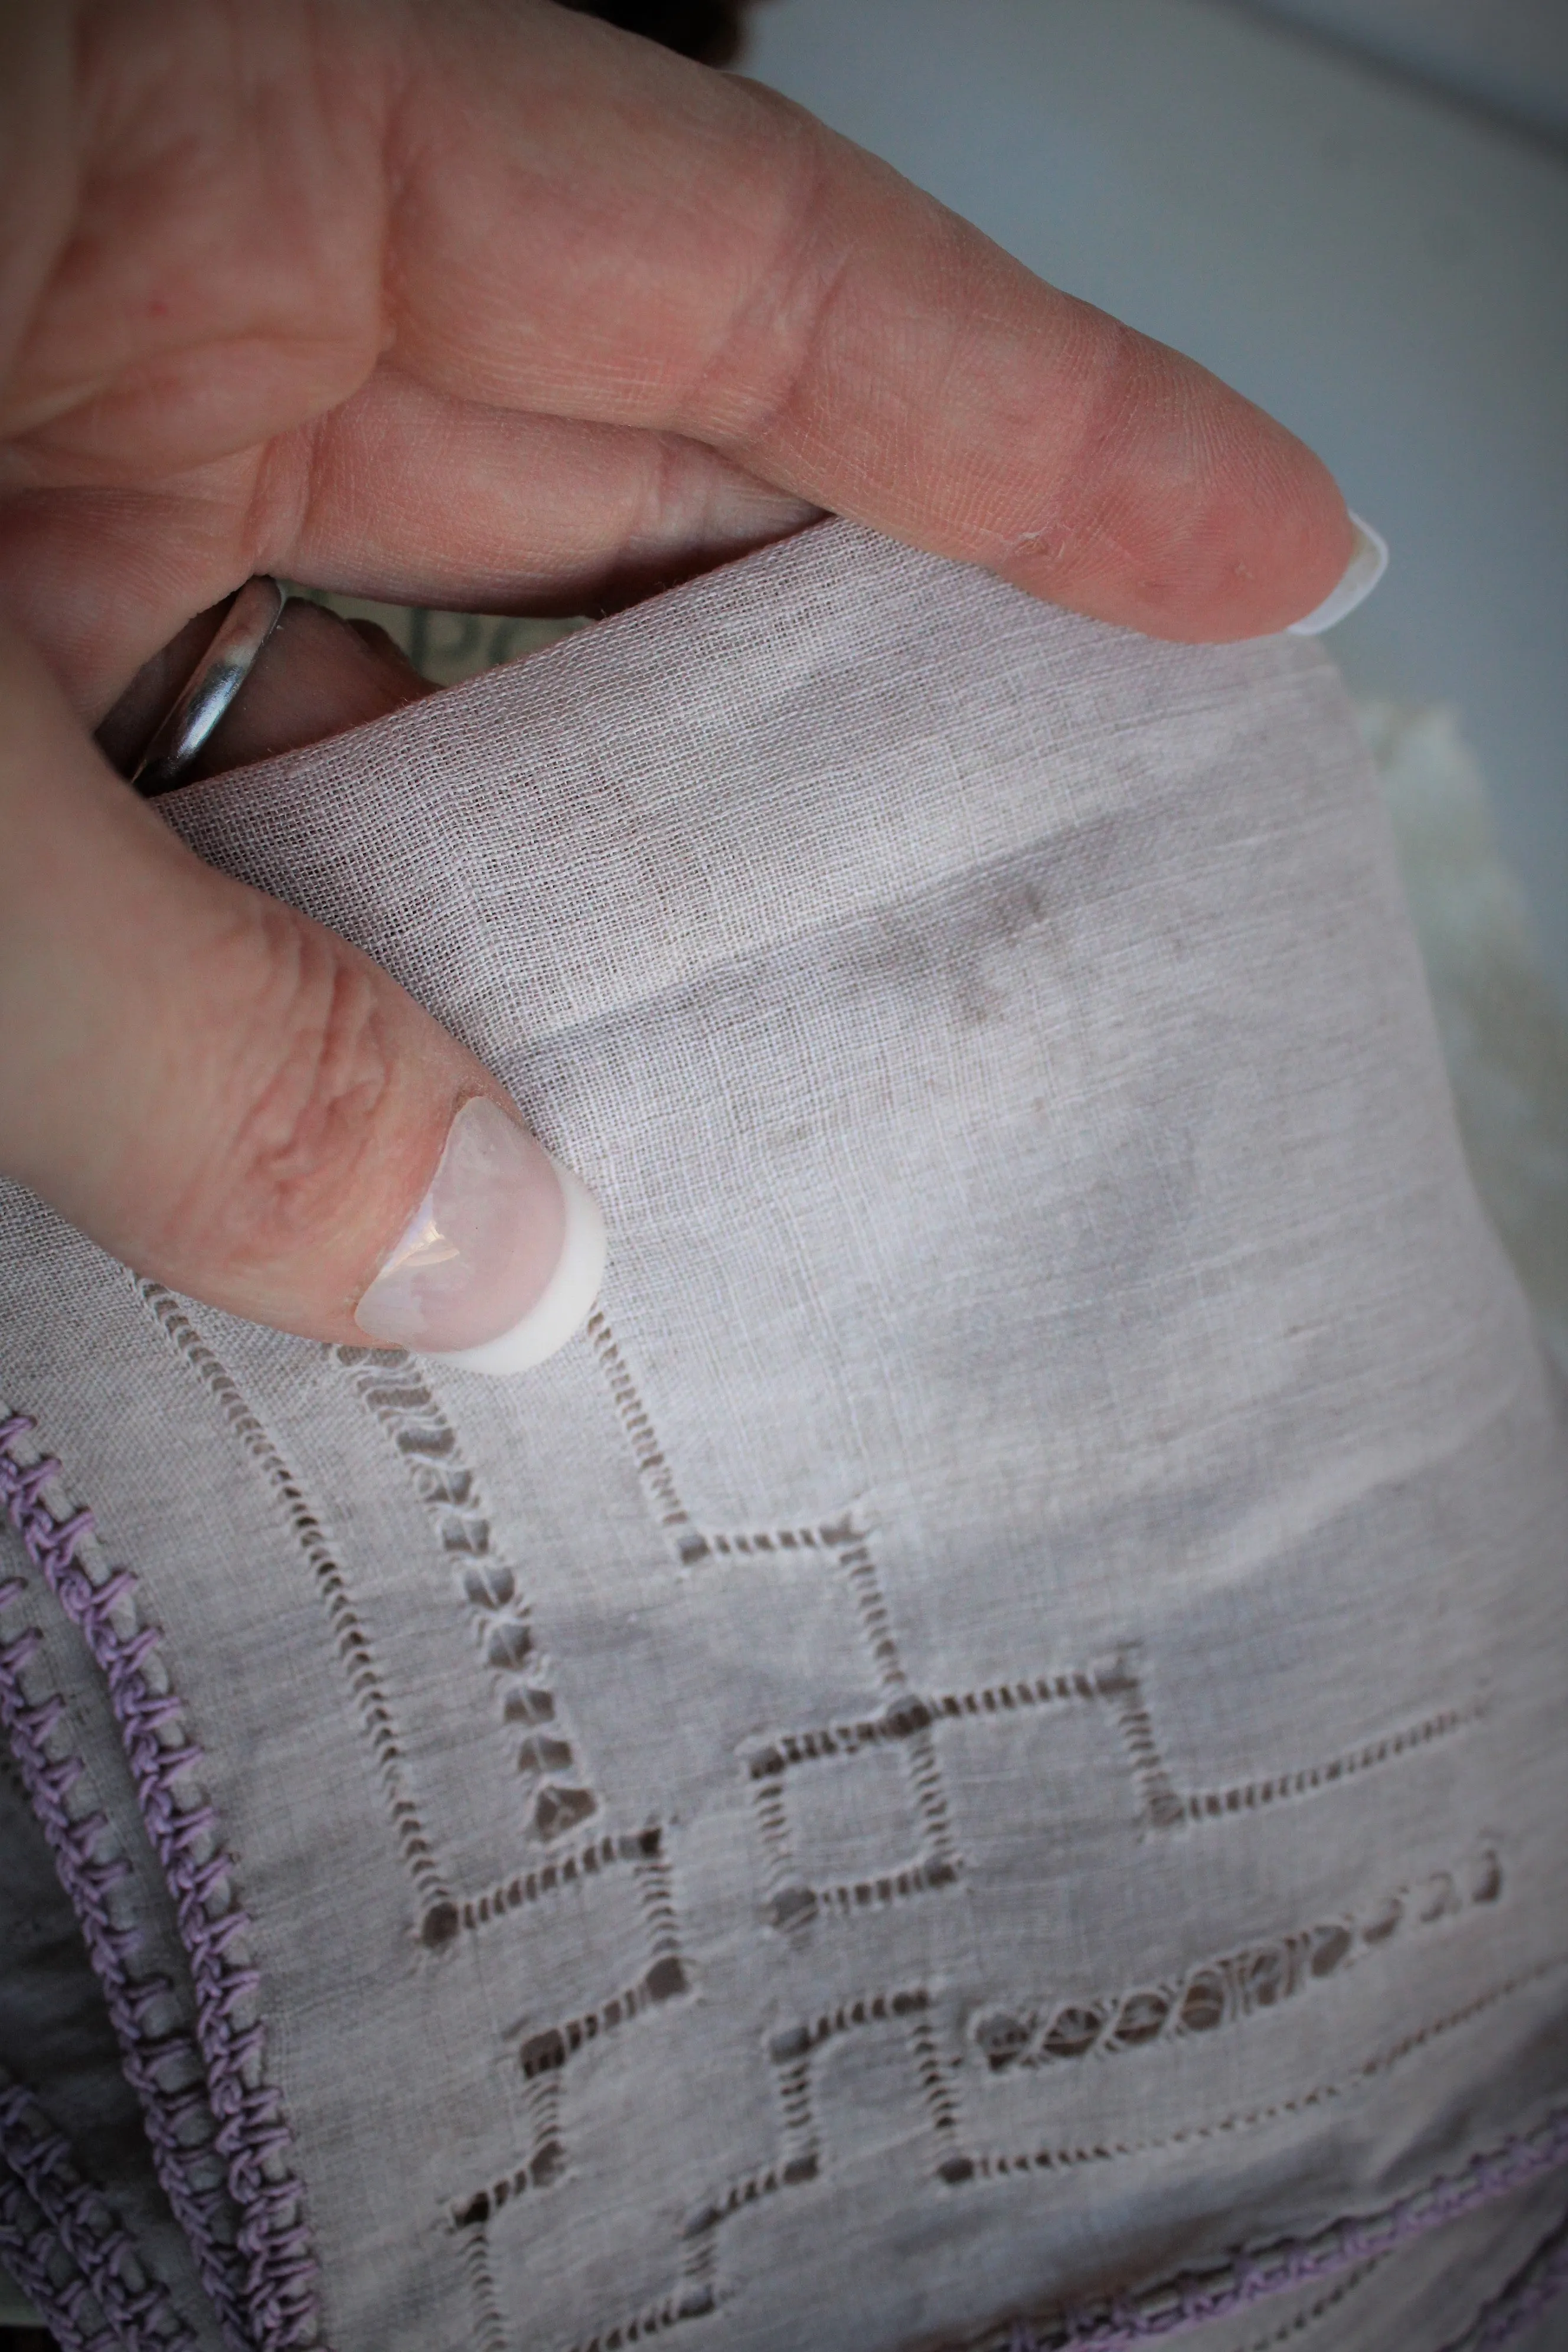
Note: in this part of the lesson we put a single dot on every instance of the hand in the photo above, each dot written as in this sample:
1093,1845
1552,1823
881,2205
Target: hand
481,304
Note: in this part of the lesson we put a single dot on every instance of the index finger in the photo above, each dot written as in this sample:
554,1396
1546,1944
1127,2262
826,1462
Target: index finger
731,270
533,215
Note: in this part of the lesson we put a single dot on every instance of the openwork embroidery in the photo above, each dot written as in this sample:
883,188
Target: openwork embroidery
74,2220
792,1902
1058,2157
1233,2282
658,1477
354,1647
912,1722
904,1723
543,2052
1236,1985
404,1407
391,1385
392,1390
1319,2306
252,2138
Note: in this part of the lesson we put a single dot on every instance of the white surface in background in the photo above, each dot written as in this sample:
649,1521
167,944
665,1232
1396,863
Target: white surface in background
1504,1032
1385,275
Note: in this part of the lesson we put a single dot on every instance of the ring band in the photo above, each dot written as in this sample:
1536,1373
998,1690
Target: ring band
211,686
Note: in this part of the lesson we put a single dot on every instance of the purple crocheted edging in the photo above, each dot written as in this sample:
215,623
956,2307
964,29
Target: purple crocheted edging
137,2312
163,2068
277,2311
1184,2303
70,2306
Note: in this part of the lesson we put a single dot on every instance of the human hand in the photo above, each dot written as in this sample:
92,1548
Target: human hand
474,303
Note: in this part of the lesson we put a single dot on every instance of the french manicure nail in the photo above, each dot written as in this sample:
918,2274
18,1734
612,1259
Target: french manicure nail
1360,575
501,1262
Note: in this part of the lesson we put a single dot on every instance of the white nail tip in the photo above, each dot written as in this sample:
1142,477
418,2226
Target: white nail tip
1361,576
566,1300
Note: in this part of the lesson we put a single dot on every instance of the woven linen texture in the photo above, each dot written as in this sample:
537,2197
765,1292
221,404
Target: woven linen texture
978,1759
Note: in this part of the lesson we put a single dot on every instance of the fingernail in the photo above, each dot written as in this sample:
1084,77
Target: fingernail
502,1260
1359,577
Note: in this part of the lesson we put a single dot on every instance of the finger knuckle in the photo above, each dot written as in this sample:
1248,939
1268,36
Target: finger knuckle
302,1105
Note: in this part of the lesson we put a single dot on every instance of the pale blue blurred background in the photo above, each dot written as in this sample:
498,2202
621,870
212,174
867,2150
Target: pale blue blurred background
1355,210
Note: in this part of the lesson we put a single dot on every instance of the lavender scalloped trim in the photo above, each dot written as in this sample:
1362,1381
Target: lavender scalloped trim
1187,2302
279,2311
137,2309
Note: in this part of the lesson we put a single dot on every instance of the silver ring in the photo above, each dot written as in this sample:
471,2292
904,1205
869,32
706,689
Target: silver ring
211,686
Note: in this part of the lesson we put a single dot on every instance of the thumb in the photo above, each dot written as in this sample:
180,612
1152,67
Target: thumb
231,1098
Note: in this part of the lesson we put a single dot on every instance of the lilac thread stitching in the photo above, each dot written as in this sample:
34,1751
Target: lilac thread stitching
29,2246
252,2135
163,2067
1188,2301
136,2308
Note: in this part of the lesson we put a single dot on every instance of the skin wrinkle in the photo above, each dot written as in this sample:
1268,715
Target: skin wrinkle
651,494
287,1148
747,421
278,513
1132,392
180,198
1082,529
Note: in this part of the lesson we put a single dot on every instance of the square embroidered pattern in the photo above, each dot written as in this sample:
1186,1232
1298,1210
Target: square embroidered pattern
977,1761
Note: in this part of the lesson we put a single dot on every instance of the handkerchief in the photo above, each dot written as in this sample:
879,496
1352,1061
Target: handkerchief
978,1762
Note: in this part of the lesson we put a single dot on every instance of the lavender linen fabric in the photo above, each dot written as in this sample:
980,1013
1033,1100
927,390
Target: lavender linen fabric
979,1761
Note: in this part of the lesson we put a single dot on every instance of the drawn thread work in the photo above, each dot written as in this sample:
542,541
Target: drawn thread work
657,1477
427,1446
1334,2298
791,1902
905,1724
912,1725
544,1878
800,2159
799,2155
912,1722
1245,2280
544,2051
391,1386
1236,1984
797,2161
352,1641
